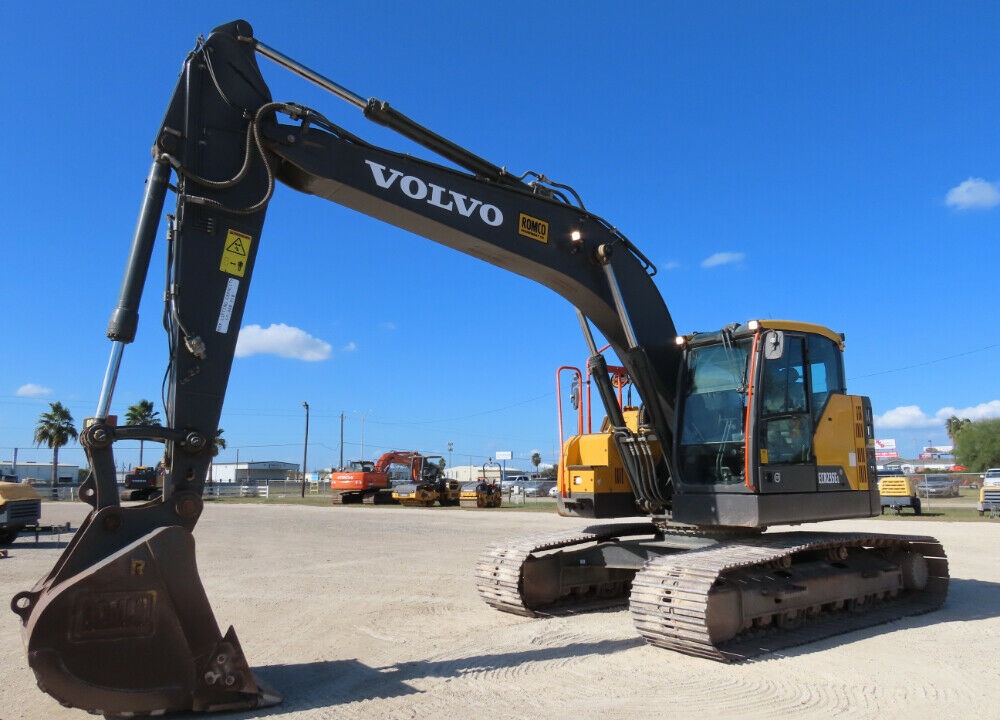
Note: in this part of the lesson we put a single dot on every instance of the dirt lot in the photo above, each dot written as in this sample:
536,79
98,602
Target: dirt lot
371,612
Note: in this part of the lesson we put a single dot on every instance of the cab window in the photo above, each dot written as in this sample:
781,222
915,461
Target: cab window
826,369
785,419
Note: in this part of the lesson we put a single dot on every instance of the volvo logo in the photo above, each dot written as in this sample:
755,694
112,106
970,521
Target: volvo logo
417,189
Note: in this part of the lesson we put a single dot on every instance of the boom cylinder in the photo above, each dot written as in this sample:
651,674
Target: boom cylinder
125,317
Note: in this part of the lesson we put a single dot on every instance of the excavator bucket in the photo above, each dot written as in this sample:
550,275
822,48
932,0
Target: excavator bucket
130,631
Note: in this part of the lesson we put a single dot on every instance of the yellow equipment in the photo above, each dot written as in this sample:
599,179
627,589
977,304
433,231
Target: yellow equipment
20,508
989,493
898,491
486,491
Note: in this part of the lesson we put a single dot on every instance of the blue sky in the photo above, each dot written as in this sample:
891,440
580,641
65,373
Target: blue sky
835,162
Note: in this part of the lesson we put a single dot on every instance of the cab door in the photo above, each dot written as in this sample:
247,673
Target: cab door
786,457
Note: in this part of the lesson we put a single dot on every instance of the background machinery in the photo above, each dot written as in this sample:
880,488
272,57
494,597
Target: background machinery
897,491
372,483
428,485
486,491
122,624
989,493
20,508
142,483
358,482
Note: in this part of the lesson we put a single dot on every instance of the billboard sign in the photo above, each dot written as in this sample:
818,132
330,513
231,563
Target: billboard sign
885,449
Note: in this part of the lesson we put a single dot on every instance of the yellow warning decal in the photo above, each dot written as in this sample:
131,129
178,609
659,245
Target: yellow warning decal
533,228
236,253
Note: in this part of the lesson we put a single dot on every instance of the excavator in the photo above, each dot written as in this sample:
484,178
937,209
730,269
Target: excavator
122,624
371,483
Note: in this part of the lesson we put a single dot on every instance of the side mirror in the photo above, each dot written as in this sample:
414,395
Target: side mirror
774,344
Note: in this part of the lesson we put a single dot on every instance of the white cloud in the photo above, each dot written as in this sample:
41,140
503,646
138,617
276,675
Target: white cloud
281,340
982,411
905,418
388,325
972,194
33,390
911,417
350,347
722,258
672,265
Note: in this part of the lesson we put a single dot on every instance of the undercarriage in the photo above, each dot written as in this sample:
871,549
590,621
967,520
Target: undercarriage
724,599
379,496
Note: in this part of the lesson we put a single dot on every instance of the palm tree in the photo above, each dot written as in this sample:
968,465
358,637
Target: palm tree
954,425
536,460
142,413
218,443
55,429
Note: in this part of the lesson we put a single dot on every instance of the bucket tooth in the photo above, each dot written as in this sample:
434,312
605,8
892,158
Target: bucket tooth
133,634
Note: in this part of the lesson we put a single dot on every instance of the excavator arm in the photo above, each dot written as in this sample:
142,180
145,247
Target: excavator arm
122,625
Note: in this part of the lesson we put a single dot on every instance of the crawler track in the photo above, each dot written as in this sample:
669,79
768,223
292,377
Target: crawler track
498,573
678,599
671,599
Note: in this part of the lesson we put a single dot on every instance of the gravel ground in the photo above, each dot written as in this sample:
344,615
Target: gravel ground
371,612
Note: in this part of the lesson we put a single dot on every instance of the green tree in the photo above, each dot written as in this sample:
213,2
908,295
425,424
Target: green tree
954,425
977,446
536,460
441,463
142,413
55,429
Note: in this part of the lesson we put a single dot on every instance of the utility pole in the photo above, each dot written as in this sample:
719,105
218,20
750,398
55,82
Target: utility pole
305,449
341,466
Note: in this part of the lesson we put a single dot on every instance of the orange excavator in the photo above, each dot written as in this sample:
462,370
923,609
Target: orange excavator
738,429
372,483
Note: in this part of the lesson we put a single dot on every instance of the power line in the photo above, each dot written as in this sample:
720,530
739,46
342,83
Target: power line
926,363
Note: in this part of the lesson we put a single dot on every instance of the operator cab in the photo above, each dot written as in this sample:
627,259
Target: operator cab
763,409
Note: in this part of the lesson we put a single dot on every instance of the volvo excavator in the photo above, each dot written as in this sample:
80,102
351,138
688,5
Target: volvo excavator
122,624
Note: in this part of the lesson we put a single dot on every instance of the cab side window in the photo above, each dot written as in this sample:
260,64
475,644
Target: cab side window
784,381
826,370
786,425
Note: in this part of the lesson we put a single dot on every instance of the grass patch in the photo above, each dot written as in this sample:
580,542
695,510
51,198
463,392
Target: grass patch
939,511
321,500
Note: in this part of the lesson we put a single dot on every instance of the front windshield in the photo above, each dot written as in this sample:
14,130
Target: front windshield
713,410
715,394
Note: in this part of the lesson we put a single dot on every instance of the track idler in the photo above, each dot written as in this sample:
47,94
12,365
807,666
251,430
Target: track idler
123,627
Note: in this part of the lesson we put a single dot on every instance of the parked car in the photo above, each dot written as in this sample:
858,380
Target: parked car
937,486
513,483
554,491
538,488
